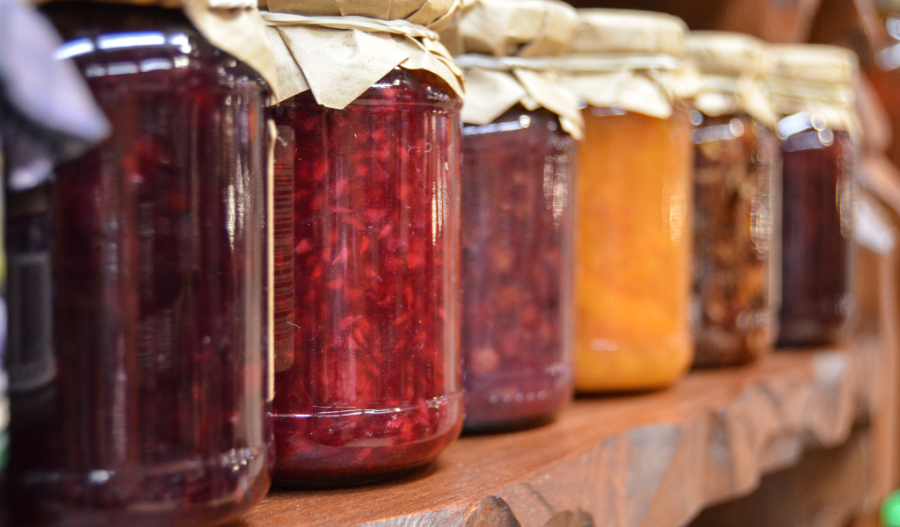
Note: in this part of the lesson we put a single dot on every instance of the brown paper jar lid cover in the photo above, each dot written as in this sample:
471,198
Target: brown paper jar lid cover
629,60
506,47
338,49
726,53
234,26
516,28
625,31
815,78
731,67
813,63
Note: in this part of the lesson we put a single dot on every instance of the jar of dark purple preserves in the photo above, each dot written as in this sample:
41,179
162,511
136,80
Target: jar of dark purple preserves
518,213
518,187
139,366
812,89
367,381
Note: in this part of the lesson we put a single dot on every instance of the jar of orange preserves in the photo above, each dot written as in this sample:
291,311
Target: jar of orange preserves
633,232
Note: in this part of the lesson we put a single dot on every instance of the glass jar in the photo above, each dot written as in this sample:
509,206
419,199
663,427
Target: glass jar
370,385
819,203
517,266
734,215
812,87
633,251
140,274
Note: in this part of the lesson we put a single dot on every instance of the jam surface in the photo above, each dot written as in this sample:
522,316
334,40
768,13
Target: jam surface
146,406
367,282
517,240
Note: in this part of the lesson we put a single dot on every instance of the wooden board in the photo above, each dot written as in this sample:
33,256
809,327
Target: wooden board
644,460
826,489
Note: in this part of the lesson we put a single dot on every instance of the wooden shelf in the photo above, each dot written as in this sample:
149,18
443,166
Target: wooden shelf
654,459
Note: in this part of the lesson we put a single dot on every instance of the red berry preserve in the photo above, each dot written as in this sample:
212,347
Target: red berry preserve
139,360
517,269
367,282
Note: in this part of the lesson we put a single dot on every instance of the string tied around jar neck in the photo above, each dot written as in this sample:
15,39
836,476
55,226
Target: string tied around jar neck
648,84
487,62
372,25
339,57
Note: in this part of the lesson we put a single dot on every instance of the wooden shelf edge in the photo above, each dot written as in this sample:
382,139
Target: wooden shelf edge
653,459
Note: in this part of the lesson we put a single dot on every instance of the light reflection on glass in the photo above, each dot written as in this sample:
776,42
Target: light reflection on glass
793,124
73,48
131,40
155,65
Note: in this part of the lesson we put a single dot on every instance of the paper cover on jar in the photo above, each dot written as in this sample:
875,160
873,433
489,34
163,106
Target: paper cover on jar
817,79
631,60
732,67
504,46
234,26
339,48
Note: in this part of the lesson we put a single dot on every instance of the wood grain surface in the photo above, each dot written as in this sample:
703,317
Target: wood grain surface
653,459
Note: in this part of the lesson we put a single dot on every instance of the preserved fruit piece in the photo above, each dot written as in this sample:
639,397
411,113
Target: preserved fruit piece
146,404
371,386
733,221
518,215
633,278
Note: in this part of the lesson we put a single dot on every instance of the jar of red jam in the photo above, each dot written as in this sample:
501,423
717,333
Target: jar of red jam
812,89
517,216
139,363
736,184
367,379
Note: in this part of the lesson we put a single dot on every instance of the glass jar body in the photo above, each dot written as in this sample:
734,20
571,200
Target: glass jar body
367,295
736,266
137,300
633,251
517,269
819,205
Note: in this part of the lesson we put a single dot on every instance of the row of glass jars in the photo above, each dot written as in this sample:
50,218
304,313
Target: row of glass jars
166,296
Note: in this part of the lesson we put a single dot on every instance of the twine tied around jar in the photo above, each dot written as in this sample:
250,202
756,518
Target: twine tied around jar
372,25
496,84
645,84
